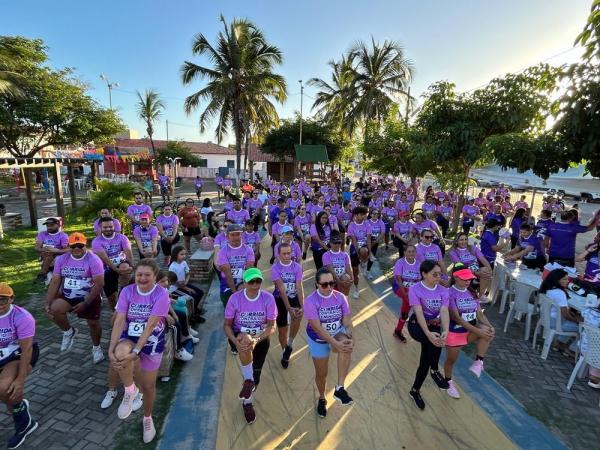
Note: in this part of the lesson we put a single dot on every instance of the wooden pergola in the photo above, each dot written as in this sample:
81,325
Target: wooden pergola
27,165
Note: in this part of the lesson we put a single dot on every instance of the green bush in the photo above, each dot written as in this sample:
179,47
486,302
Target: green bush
114,196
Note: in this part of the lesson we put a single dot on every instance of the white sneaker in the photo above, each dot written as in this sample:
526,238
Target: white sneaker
109,398
68,339
97,354
138,402
194,339
452,390
149,430
126,405
183,355
355,293
193,332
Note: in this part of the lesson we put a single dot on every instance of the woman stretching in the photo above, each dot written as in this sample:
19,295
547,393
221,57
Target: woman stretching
428,325
406,274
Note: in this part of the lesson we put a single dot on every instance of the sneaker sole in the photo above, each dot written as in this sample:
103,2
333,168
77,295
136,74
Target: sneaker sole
32,429
475,373
343,404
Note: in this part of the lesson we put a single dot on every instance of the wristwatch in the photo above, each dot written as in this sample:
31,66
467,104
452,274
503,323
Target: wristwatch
136,351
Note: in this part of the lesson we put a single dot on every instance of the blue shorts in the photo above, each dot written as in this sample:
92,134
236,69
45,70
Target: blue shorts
320,349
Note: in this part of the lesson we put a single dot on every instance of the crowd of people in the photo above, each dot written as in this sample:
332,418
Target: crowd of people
345,225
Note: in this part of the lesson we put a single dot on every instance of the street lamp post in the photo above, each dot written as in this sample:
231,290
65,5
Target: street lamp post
110,88
301,100
174,165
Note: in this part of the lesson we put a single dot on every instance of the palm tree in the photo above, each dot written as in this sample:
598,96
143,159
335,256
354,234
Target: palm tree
240,82
149,108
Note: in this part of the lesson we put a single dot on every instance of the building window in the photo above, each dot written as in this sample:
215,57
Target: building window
203,162
230,163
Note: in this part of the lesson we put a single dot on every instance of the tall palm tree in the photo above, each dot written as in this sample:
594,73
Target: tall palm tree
240,82
149,109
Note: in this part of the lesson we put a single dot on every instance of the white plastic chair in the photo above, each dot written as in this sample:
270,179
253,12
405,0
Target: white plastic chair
592,355
520,305
546,304
499,286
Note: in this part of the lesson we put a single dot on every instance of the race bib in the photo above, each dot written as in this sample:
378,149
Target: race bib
136,328
474,267
169,232
407,283
48,246
361,243
304,227
332,327
251,331
136,217
290,289
146,244
116,260
469,316
236,273
7,351
339,270
345,222
73,283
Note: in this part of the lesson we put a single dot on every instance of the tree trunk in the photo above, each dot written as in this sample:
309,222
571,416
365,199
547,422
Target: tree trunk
154,160
239,133
246,145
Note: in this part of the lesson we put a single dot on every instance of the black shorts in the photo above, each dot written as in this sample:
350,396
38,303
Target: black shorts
282,314
191,231
92,312
16,356
167,246
111,282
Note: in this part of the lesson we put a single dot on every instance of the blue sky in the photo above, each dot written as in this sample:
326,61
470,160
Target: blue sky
142,43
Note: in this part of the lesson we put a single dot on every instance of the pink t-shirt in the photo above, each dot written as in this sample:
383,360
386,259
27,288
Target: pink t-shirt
138,307
328,310
16,324
290,275
431,252
58,240
466,304
114,247
237,258
409,273
168,223
250,315
98,231
339,261
77,274
431,300
468,258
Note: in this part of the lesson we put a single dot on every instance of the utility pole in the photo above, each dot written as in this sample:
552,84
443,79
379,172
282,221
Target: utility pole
110,88
167,130
301,100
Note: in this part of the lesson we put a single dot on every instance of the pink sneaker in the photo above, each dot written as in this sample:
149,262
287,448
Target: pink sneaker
452,390
477,367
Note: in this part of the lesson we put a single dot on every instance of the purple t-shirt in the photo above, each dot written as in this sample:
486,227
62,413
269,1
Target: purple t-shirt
293,203
237,259
221,239
360,232
344,217
324,237
302,222
534,241
409,273
134,211
113,247
77,274
238,217
562,238
254,204
339,261
445,211
58,240
376,229
328,310
403,206
403,228
431,252
470,211
138,307
389,215
163,180
276,228
15,325
145,235
592,267
250,315
290,275
296,251
251,239
468,258
97,229
418,227
488,240
168,223
198,183
465,303
431,300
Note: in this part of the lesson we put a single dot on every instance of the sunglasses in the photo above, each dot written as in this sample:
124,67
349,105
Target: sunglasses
4,300
255,281
327,284
80,246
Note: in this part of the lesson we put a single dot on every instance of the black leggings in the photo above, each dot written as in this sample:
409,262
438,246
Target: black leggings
430,354
181,329
443,223
318,257
167,246
374,248
259,354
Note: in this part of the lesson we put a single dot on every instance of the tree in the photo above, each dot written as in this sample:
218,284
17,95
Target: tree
15,53
590,36
52,108
149,108
176,149
241,82
280,141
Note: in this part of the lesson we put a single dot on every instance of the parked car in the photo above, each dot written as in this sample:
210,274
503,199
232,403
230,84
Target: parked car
590,197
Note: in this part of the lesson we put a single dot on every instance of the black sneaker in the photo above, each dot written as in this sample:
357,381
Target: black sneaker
304,255
322,407
416,396
342,396
285,359
441,382
272,260
24,425
400,336
249,413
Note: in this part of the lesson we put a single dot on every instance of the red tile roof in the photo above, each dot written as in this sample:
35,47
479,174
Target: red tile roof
255,154
198,148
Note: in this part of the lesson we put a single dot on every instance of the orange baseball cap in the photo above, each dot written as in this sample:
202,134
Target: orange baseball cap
77,238
6,290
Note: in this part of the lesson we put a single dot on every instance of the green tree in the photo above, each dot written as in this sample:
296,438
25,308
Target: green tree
176,149
280,141
241,82
16,53
52,108
590,35
149,108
